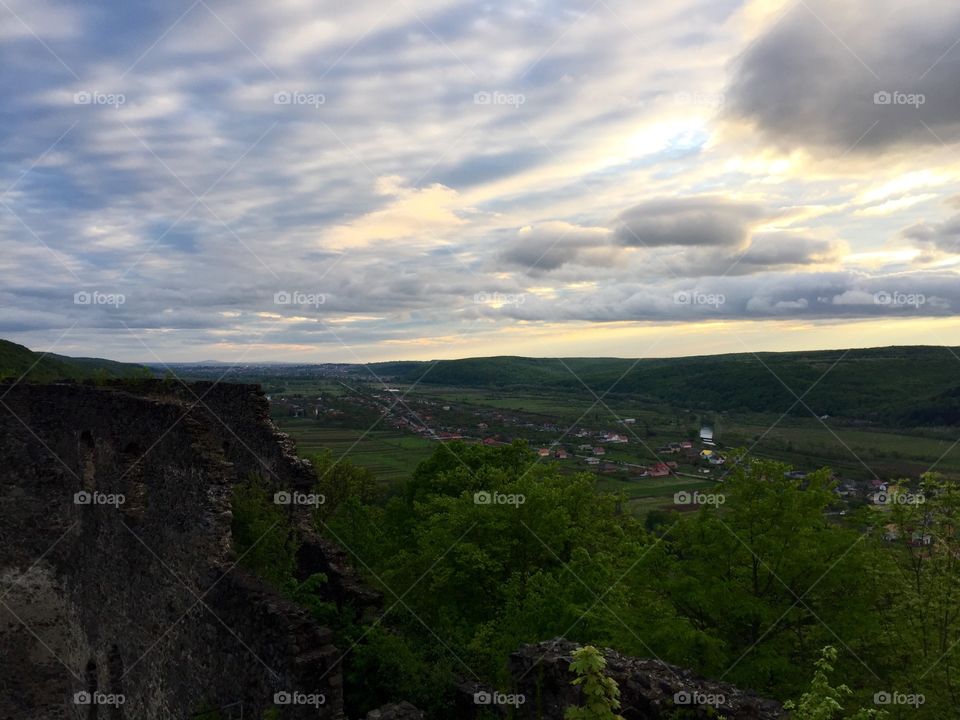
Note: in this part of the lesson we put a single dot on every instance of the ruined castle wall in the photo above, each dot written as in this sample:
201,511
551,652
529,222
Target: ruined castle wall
142,598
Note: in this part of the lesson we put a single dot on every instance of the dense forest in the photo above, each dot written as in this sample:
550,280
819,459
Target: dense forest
896,385
483,549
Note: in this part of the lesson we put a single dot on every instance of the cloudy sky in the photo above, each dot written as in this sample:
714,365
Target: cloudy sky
342,181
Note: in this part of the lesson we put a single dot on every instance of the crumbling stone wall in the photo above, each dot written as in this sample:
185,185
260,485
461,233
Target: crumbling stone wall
649,689
143,598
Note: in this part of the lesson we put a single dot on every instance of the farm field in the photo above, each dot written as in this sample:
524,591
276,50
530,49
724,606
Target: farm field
854,452
805,443
858,451
646,494
390,455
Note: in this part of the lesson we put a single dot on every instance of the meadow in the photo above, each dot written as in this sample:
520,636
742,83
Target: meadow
390,455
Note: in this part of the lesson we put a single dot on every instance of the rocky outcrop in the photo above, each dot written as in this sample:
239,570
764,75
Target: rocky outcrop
402,711
649,689
117,575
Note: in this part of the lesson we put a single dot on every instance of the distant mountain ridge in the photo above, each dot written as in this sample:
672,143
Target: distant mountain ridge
917,385
18,361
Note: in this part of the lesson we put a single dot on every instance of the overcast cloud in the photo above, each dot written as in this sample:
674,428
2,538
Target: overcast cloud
231,179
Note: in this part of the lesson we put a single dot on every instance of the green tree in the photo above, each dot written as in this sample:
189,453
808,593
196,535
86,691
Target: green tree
766,578
263,538
823,701
601,695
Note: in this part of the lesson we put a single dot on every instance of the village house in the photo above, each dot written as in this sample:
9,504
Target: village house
592,461
658,470
599,451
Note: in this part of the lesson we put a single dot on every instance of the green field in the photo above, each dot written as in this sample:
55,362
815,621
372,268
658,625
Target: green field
855,450
803,442
391,455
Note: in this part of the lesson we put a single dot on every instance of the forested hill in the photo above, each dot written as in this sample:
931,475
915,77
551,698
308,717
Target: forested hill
15,360
917,385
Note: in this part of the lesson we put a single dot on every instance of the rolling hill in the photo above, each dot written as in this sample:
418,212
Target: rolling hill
916,385
17,360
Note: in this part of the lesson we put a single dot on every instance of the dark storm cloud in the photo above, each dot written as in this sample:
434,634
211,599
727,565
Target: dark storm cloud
943,236
771,249
554,245
686,221
828,74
